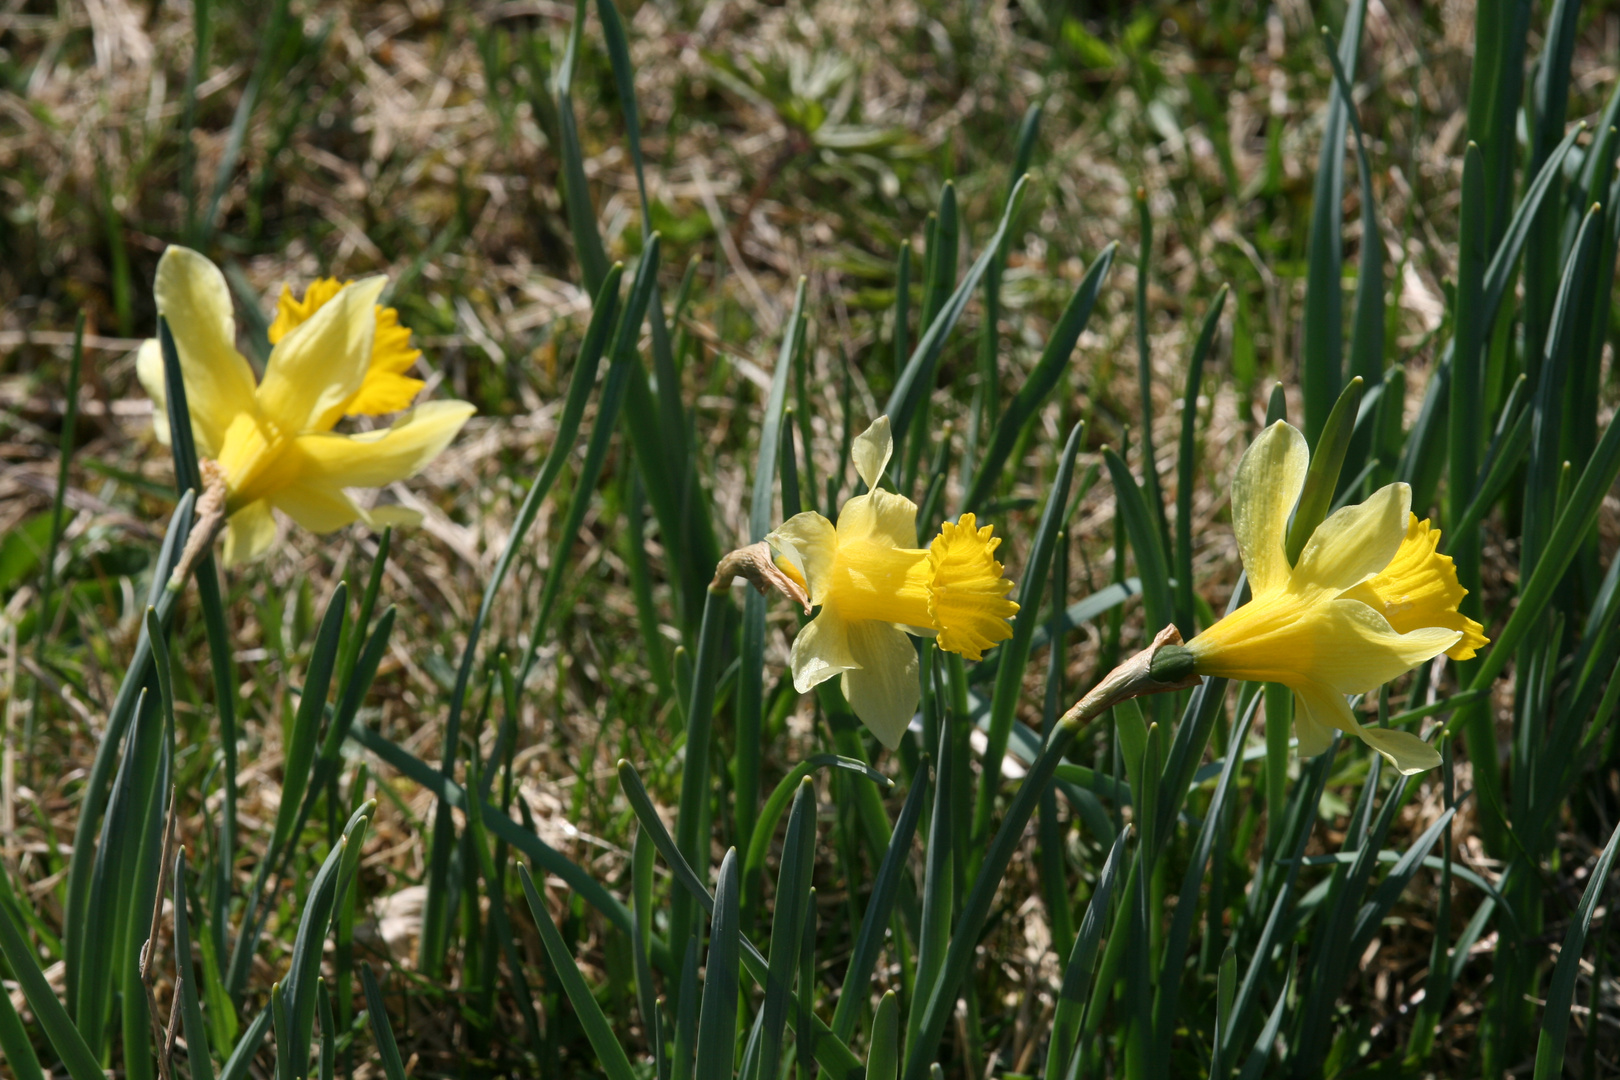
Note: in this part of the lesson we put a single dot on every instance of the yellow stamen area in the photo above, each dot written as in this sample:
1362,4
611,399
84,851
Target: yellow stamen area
1419,588
968,594
386,387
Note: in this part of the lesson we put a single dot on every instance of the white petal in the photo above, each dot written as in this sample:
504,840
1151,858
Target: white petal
249,533
1318,712
192,295
322,362
871,451
809,542
820,651
883,690
377,458
1267,485
1357,541
1358,651
149,369
1408,753
881,517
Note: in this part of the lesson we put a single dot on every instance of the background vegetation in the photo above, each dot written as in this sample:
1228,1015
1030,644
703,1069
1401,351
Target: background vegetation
1259,916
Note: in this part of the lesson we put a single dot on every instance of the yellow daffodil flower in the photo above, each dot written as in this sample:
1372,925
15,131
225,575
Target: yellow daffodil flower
336,353
1369,599
874,588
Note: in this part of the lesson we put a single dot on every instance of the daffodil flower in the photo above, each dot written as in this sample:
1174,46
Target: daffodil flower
1369,599
874,588
336,353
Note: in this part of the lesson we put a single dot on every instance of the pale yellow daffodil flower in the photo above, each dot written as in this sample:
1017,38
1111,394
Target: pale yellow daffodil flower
335,354
874,588
1369,599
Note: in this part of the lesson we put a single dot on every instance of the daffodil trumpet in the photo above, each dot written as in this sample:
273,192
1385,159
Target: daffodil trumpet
1370,598
874,588
335,353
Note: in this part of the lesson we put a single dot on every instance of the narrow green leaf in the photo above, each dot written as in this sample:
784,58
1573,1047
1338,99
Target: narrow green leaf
196,1032
717,1023
883,1049
610,1055
1561,988
965,936
1015,652
1075,993
918,377
1321,369
787,926
1186,464
1144,536
387,1050
1256,1065
874,924
1042,379
1327,461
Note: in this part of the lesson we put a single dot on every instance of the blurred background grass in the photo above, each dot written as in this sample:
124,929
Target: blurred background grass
780,141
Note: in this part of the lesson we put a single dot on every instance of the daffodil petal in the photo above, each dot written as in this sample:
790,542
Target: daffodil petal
1319,711
1356,542
192,295
320,363
1358,651
883,690
149,369
378,458
881,517
810,543
1269,479
381,517
249,533
820,651
1408,753
316,507
871,450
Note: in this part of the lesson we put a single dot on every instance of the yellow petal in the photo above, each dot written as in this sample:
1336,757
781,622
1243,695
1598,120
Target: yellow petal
291,313
1419,588
385,388
317,508
381,517
1357,541
321,363
257,459
1402,749
820,651
881,517
1318,712
809,544
968,594
377,458
1267,485
871,450
382,392
249,533
883,690
192,295
1355,650
149,369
